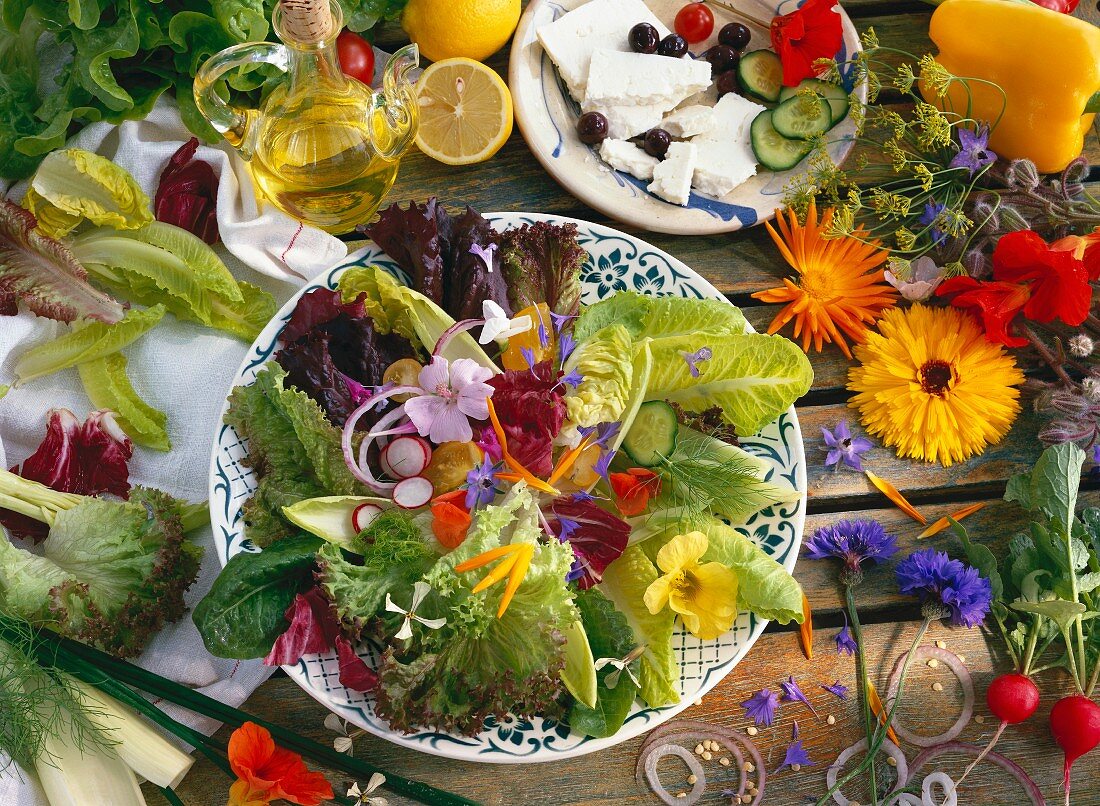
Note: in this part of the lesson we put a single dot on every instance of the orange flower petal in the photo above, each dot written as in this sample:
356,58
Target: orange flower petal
484,558
268,772
945,521
519,571
250,748
806,629
498,573
876,707
892,492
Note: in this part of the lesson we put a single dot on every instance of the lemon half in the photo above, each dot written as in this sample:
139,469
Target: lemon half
465,112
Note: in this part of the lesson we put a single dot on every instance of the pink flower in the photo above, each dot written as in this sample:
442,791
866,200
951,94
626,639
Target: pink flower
453,392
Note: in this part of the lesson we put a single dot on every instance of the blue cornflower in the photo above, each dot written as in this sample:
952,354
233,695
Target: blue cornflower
853,542
528,356
566,345
843,447
695,359
974,153
838,689
948,588
792,693
845,644
762,706
481,485
931,212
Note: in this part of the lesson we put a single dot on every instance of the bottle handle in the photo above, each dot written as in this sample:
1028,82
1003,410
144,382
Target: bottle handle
234,123
395,110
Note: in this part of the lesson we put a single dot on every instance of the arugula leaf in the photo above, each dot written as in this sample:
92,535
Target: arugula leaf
108,387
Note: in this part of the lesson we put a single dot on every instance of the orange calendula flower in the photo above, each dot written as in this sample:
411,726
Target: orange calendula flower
268,772
840,288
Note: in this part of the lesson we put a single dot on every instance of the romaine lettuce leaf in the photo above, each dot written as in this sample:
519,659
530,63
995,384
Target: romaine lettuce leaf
108,387
244,319
623,308
86,343
73,185
624,583
607,371
44,273
655,317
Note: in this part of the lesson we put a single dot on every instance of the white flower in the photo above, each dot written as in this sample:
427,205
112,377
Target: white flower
1081,346
363,795
621,665
498,326
420,591
342,744
924,278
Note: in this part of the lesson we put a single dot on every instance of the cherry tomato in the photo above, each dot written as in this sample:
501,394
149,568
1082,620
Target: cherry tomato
356,56
694,22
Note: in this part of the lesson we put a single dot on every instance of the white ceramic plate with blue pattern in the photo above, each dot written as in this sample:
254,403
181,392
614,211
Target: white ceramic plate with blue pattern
616,262
547,116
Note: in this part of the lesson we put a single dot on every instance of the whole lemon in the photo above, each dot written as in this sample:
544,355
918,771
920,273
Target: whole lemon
475,29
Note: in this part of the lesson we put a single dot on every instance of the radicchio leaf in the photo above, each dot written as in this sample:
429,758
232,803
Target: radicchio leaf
187,193
542,263
313,628
44,274
354,672
532,412
597,537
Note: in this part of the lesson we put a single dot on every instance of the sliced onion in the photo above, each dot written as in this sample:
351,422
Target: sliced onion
694,731
1013,769
958,668
891,749
454,330
947,787
382,429
649,760
360,470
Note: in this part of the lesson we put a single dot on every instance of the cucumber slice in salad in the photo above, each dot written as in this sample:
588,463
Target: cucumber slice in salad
774,151
833,93
801,118
761,74
652,436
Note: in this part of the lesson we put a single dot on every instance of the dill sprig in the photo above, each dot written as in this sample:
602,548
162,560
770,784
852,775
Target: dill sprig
37,703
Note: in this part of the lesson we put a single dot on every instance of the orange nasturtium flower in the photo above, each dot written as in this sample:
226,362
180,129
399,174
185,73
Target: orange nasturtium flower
267,772
633,489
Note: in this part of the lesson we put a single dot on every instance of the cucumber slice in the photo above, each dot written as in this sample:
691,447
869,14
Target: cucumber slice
652,437
774,151
833,93
800,118
761,74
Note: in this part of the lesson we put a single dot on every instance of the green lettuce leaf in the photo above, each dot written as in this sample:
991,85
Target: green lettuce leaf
604,392
18,93
244,319
609,636
108,387
624,583
658,317
624,308
86,343
397,308
73,185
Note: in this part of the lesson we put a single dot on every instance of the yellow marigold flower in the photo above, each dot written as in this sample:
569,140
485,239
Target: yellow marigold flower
705,595
840,289
932,387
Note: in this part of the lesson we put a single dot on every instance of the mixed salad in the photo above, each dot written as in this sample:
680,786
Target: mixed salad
510,495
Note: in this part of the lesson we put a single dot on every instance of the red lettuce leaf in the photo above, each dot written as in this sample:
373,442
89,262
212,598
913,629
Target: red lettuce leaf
318,307
531,411
44,274
8,303
187,193
413,239
313,628
468,281
354,672
597,537
542,263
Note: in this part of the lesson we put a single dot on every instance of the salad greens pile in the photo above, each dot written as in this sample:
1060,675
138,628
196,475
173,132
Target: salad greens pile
511,569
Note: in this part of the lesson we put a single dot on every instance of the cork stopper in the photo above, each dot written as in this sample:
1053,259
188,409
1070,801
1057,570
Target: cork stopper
307,21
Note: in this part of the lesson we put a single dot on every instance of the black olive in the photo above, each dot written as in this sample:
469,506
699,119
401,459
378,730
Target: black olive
644,38
721,58
592,128
735,34
727,82
656,143
673,45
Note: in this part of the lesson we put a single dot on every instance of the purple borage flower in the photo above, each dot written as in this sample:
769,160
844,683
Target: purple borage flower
566,346
558,320
481,485
792,693
843,447
359,393
974,153
576,571
583,496
838,689
528,357
795,755
604,432
845,644
928,218
853,542
695,359
950,586
572,380
603,464
568,526
484,253
762,706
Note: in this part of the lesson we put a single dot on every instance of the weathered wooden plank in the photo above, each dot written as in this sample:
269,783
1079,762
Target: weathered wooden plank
608,777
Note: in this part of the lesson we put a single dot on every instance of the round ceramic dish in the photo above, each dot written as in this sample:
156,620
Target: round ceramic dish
547,116
616,262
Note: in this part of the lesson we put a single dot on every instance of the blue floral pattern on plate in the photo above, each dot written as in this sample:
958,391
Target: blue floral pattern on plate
616,262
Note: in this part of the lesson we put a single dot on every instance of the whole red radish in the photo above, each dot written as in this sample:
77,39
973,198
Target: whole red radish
1075,724
1012,698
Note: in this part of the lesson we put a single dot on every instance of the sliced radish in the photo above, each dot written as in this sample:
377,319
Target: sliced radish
405,456
413,492
362,516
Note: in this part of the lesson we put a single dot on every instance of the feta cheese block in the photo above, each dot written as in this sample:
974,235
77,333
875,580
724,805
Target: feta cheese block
672,176
624,122
689,121
625,78
570,39
623,155
725,158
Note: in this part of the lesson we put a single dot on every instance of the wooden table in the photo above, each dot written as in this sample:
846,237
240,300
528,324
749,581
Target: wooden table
739,264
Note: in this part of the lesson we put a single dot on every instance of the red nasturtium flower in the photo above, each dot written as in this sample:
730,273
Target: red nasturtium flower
995,304
1059,284
633,489
802,37
1085,248
268,772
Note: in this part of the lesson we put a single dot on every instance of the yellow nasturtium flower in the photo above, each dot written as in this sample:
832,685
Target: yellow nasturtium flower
705,595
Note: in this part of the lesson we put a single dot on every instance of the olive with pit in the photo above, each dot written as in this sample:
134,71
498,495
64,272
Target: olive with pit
722,58
727,82
592,128
673,45
735,34
644,38
656,143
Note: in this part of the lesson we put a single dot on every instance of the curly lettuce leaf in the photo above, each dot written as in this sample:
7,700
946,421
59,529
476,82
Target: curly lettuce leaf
18,95
86,343
624,583
609,636
607,372
542,263
108,387
74,185
44,274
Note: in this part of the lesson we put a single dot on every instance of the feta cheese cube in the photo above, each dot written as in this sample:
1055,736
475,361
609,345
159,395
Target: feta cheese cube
624,122
672,176
625,156
625,78
570,39
689,121
725,158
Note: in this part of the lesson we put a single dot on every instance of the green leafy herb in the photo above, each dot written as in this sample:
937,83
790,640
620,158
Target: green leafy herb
609,636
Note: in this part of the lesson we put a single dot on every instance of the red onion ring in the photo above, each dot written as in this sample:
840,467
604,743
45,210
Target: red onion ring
362,472
649,760
891,749
695,731
951,660
454,330
1011,767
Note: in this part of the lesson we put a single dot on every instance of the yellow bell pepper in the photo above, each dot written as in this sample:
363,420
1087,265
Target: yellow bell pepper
1047,63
